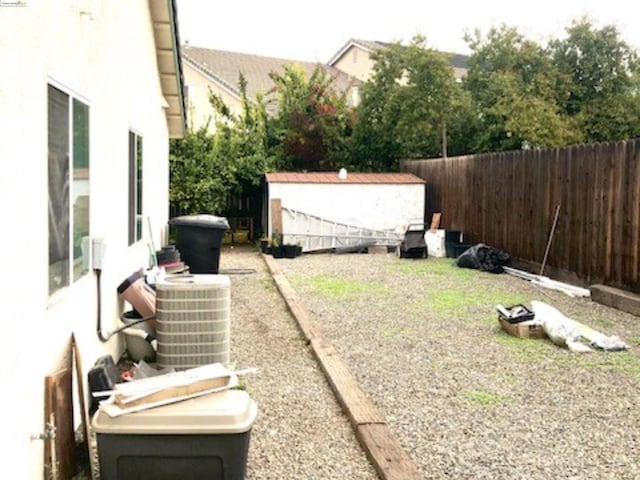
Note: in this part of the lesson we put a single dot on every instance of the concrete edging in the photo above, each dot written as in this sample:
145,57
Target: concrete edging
383,449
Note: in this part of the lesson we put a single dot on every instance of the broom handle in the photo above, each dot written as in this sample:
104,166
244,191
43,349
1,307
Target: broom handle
553,229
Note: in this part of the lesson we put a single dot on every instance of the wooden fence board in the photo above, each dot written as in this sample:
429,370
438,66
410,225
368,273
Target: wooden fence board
508,199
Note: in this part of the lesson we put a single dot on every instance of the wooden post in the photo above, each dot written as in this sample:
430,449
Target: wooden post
276,216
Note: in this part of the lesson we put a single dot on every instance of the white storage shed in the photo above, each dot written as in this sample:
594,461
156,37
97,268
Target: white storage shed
324,210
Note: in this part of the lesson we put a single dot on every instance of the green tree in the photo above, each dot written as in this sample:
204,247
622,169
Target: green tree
407,106
602,72
205,169
313,121
514,85
198,183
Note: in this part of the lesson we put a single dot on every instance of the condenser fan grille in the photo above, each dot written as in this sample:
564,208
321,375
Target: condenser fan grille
193,321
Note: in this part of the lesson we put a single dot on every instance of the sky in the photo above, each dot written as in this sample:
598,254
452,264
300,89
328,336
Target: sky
315,31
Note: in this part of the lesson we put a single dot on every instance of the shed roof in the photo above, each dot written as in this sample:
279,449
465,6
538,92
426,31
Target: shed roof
352,178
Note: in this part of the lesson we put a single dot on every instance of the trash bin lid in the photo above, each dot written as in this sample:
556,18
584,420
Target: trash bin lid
226,412
203,220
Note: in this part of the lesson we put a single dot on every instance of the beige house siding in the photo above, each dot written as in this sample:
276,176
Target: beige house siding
105,54
356,62
220,70
459,73
200,111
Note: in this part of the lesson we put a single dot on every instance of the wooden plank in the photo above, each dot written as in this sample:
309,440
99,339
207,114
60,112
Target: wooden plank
355,402
305,322
386,454
614,297
384,451
84,444
597,226
276,216
59,453
435,221
618,206
634,194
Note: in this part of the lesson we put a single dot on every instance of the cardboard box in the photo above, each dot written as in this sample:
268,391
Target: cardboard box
525,329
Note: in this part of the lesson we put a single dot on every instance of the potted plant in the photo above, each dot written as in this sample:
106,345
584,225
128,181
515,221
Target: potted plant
264,244
276,245
290,250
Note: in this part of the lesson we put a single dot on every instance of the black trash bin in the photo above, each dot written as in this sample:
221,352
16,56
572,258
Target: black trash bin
198,239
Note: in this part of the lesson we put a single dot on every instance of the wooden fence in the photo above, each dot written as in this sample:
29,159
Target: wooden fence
508,200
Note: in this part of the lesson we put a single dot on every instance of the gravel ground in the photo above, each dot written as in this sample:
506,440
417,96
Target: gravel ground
300,431
466,400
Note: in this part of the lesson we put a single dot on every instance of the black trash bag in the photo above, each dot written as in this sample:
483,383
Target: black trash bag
484,258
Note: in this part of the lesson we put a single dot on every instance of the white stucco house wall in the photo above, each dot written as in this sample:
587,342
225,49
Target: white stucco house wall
322,210
90,93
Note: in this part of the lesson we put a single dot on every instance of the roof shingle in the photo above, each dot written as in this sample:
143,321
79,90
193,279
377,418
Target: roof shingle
225,67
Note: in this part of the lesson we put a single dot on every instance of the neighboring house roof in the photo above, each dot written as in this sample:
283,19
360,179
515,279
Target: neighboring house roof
352,178
164,17
367,45
225,67
456,60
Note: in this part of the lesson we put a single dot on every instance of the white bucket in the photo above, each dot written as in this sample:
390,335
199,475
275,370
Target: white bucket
138,347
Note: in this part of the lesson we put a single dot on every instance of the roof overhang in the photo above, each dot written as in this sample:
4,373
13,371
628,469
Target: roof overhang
210,76
345,48
165,31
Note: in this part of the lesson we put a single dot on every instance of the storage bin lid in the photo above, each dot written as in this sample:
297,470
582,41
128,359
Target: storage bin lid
226,412
204,220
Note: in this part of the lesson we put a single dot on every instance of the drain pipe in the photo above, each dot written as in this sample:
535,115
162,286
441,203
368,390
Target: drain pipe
103,338
98,247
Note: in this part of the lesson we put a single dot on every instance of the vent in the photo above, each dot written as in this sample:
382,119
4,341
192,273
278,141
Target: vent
193,315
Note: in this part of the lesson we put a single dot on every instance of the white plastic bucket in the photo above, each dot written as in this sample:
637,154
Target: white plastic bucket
138,346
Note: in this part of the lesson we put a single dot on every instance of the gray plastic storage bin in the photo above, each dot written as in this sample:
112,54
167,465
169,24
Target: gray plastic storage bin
199,239
204,437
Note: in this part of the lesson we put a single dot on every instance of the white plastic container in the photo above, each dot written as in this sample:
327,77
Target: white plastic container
435,240
137,338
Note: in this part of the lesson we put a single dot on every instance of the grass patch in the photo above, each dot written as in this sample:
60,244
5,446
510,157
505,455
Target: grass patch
625,363
457,300
483,398
526,350
538,350
635,340
339,288
267,284
603,322
433,266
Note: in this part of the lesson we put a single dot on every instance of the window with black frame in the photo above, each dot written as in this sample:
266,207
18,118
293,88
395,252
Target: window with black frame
69,187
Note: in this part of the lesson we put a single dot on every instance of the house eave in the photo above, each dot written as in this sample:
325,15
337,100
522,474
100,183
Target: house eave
345,49
167,43
210,76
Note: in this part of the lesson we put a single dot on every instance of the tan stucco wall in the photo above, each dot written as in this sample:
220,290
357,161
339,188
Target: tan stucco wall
198,107
103,52
356,62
